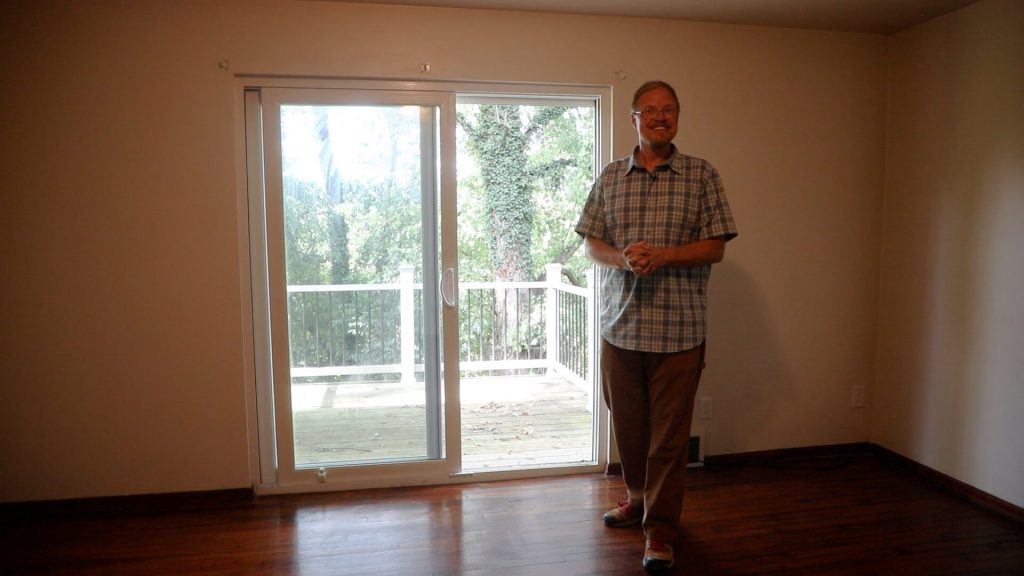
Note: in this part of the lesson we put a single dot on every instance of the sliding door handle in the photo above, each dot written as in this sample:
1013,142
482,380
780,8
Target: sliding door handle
449,296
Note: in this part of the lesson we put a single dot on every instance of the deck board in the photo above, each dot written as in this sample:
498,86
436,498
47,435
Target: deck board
507,422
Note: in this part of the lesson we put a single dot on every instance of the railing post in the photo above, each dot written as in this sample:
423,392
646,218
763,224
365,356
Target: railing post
406,306
594,345
553,277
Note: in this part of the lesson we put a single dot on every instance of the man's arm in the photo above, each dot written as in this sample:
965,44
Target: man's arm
697,253
604,254
643,259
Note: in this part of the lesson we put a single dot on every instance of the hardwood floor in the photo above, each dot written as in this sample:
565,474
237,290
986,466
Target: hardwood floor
842,514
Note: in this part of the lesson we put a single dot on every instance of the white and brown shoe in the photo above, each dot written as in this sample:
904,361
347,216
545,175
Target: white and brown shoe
658,556
626,514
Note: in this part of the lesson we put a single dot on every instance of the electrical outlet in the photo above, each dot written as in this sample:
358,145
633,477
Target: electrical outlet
857,396
705,408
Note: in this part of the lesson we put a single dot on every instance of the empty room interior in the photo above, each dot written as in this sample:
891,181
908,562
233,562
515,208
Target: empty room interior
873,159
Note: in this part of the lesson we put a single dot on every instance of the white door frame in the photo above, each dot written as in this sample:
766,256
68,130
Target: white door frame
273,472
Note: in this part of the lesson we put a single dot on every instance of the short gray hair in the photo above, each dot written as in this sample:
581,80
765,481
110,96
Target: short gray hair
653,85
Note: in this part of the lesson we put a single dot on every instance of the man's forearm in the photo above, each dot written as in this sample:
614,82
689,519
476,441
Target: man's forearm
603,254
696,253
643,259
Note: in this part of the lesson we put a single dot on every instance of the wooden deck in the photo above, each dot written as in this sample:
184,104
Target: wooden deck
507,422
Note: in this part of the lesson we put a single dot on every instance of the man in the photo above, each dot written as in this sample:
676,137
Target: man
654,222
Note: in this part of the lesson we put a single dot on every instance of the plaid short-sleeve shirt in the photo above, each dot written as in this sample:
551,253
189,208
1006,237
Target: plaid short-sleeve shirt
682,201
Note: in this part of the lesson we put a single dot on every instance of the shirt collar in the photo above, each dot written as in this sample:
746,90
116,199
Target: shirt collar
675,161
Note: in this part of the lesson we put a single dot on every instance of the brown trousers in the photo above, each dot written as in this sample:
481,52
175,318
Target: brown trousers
651,396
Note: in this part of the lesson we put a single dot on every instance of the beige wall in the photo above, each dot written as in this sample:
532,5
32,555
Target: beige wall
121,345
950,389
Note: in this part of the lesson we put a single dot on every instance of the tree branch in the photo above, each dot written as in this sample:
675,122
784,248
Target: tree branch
544,118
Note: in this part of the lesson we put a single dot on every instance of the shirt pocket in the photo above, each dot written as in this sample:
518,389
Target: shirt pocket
676,214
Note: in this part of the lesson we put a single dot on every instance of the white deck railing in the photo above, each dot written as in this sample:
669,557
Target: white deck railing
559,327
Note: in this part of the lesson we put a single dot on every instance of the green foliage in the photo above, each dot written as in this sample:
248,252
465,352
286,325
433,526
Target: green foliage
499,141
533,168
305,232
353,216
348,220
566,147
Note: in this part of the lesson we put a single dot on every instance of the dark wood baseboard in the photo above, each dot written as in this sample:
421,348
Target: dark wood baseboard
767,457
134,504
951,484
213,499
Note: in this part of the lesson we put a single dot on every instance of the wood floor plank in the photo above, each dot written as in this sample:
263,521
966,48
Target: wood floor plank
850,514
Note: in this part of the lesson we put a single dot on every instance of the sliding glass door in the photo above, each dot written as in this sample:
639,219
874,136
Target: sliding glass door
394,340
352,188
526,164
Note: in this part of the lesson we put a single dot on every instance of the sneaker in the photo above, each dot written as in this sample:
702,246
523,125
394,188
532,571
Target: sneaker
658,556
626,514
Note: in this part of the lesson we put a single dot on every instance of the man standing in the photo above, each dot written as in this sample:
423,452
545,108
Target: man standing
654,222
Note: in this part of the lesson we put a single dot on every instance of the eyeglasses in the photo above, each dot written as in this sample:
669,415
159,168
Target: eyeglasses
652,112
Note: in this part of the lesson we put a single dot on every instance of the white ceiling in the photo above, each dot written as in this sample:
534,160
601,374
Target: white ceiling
875,16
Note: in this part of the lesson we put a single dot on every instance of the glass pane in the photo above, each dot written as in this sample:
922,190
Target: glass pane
524,171
353,186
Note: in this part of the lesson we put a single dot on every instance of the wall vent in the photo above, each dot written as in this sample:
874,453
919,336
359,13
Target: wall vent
696,452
